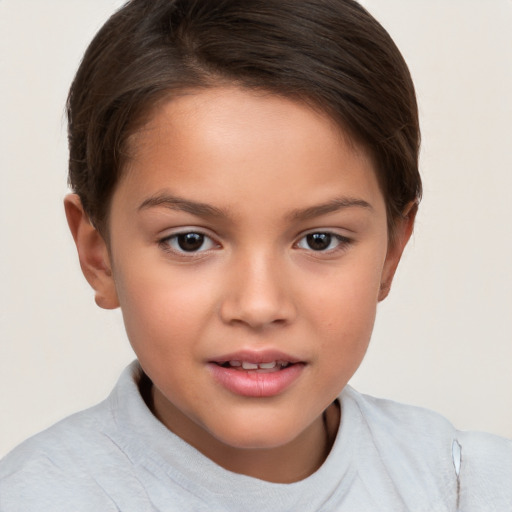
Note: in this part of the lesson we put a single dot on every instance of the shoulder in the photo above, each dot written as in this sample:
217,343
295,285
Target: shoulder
485,476
406,425
52,466
77,464
63,440
410,446
478,466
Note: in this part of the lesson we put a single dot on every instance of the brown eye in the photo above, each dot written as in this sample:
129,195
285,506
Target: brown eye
319,241
188,242
323,241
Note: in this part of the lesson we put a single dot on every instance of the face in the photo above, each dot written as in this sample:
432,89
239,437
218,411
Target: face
248,249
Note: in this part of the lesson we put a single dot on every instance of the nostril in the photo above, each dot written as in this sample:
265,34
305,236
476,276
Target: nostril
258,298
257,314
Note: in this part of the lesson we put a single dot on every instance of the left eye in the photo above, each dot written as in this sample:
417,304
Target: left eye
189,242
320,241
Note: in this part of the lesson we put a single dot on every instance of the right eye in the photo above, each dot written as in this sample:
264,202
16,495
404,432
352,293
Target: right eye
188,242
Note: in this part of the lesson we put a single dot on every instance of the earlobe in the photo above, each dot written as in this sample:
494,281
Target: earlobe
403,232
92,253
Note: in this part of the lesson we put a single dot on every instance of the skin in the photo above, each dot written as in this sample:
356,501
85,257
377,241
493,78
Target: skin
266,171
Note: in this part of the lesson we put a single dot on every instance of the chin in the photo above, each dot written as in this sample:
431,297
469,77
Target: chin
256,437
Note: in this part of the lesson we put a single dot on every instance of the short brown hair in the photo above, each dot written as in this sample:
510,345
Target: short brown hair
331,54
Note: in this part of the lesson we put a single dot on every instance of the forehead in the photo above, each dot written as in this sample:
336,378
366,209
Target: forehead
224,109
227,141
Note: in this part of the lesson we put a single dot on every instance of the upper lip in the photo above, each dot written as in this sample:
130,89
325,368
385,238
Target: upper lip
256,357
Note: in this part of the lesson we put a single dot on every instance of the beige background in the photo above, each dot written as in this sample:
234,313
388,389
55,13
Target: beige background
443,339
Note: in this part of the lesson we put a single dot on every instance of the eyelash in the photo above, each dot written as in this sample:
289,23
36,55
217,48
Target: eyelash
171,243
342,242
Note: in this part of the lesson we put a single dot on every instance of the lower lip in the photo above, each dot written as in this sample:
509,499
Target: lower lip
254,384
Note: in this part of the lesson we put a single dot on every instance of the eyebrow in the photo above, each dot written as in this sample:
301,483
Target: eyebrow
332,206
205,210
184,205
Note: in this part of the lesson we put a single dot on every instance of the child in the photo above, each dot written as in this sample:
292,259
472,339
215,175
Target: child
245,178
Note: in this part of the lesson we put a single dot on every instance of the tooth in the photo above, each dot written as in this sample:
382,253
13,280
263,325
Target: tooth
249,366
235,363
273,364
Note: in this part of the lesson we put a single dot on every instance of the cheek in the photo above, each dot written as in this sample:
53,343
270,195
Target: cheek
160,307
344,310
346,322
348,293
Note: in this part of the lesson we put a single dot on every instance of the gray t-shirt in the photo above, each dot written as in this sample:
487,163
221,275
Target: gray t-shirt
117,456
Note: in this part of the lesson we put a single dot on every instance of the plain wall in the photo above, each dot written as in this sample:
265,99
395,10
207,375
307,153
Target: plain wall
443,339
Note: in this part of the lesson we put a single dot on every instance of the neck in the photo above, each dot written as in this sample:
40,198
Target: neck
288,463
283,464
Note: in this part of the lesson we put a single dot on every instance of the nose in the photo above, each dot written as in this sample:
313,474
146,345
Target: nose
258,294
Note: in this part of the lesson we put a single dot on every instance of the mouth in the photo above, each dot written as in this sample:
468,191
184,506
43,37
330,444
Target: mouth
257,374
257,361
250,367
272,366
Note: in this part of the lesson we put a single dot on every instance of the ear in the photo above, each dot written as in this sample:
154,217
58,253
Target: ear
403,231
92,253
